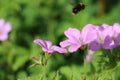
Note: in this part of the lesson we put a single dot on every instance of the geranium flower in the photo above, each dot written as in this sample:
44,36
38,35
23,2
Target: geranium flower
104,38
47,46
5,28
76,39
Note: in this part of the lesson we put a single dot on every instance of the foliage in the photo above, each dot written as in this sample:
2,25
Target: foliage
31,19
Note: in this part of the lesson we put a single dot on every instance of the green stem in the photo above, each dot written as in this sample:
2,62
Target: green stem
85,53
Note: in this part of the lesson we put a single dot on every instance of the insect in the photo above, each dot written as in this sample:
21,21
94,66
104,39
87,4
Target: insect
77,8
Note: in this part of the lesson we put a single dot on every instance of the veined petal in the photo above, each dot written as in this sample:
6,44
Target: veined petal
116,27
48,44
40,42
74,48
94,46
73,34
105,25
59,49
109,31
89,33
65,43
108,43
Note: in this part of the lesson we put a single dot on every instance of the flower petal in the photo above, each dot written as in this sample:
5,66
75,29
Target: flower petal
40,42
3,37
59,49
88,31
94,46
108,43
65,43
73,34
48,44
7,27
116,27
74,48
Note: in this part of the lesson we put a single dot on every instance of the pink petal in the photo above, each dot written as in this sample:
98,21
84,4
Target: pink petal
105,26
7,27
48,44
3,37
65,43
59,49
74,48
42,43
94,46
116,28
73,34
89,33
108,43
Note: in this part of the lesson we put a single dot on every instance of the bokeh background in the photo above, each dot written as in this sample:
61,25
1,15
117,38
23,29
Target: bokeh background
47,20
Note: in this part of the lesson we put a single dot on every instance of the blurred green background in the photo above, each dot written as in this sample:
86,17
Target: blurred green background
47,20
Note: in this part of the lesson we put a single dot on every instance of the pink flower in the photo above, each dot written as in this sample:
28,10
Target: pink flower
5,28
47,46
105,35
76,39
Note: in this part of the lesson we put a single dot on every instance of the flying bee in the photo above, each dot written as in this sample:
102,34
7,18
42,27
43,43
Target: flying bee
77,8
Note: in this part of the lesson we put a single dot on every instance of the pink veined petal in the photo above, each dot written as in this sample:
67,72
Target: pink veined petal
59,49
89,33
105,25
94,46
74,48
42,43
116,28
3,37
99,32
50,51
45,49
108,43
109,31
73,34
65,43
48,44
103,32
